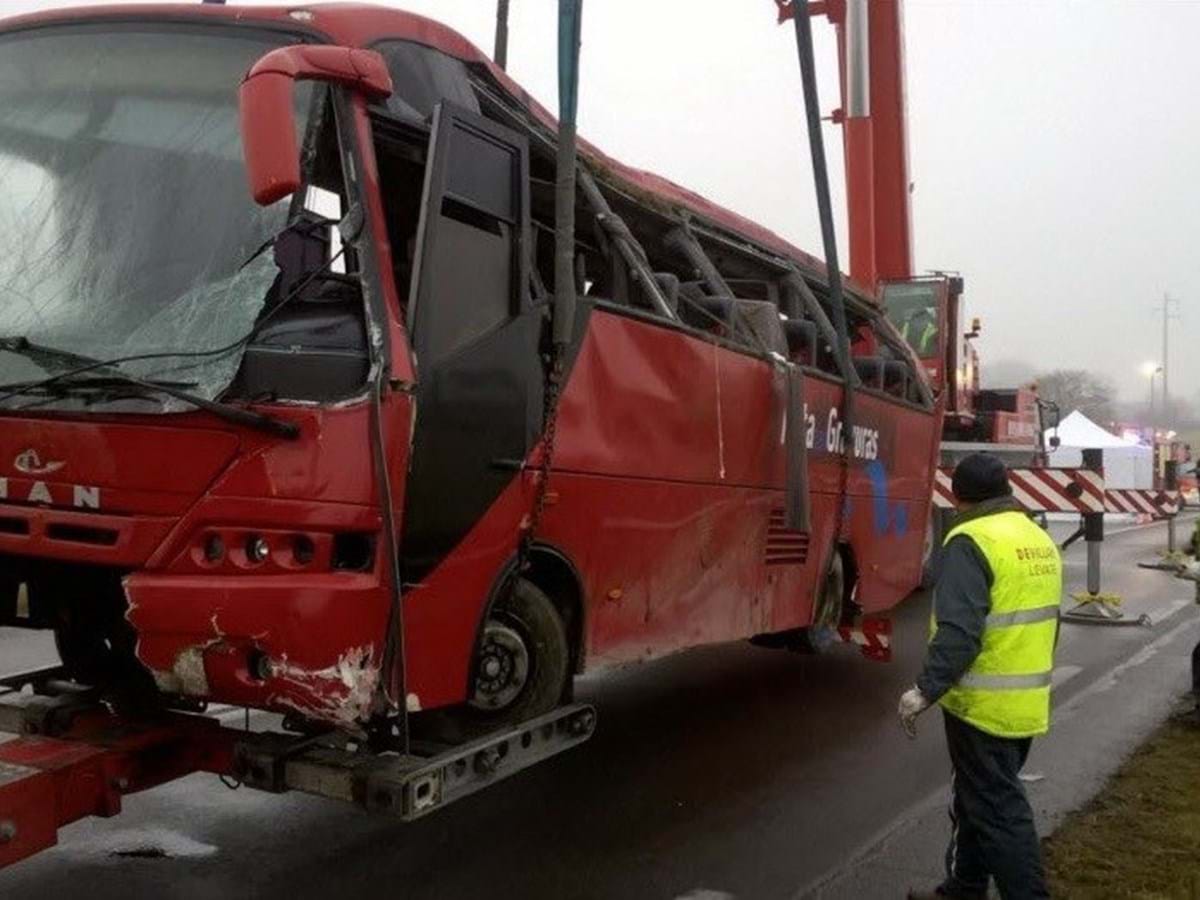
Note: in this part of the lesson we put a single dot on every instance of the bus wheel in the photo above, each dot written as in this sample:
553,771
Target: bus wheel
520,669
822,633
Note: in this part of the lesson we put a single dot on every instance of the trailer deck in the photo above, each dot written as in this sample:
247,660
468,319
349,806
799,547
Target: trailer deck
72,757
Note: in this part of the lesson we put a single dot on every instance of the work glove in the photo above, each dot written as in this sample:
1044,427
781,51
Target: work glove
912,704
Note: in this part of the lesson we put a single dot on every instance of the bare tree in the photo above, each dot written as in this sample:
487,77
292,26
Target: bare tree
1091,393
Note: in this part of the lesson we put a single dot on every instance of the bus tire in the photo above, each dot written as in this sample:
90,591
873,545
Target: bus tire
827,614
520,670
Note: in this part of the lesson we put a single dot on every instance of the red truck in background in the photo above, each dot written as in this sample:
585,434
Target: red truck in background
926,310
928,313
290,448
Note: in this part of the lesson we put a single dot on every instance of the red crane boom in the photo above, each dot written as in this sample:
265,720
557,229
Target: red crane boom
870,35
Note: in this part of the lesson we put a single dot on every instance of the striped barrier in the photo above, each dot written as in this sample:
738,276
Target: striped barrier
1142,502
872,636
1040,490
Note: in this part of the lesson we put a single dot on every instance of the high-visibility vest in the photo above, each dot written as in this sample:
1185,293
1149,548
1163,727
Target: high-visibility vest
1006,692
923,345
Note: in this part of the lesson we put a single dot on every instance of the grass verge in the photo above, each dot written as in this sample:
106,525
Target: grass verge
1140,837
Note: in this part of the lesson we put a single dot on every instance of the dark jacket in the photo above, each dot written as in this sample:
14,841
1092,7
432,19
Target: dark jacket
961,602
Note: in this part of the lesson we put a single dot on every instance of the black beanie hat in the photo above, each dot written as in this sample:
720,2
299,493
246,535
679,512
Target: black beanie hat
980,476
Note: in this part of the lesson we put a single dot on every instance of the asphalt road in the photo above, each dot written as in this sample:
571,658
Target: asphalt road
729,771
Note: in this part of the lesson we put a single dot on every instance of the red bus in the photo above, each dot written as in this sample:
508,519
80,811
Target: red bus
283,454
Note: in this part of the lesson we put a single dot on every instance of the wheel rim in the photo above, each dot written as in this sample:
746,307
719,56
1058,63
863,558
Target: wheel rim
502,670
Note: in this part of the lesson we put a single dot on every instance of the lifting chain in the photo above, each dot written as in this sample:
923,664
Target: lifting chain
553,390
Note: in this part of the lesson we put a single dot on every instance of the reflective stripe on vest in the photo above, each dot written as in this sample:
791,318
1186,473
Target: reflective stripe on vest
1023,616
1004,682
1006,692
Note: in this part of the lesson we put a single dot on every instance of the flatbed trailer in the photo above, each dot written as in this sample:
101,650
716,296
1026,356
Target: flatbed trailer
72,757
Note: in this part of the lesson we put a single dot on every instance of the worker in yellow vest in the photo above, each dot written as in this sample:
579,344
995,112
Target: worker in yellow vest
989,662
919,331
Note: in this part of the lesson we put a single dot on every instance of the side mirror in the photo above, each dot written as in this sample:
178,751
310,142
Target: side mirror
976,327
268,130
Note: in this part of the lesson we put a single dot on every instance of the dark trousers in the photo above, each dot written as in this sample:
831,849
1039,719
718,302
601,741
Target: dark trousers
993,832
1196,673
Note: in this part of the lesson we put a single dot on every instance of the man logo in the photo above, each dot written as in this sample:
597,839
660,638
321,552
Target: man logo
29,462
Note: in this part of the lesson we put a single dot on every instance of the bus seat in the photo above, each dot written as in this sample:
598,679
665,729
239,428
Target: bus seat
701,311
870,370
761,318
801,336
895,378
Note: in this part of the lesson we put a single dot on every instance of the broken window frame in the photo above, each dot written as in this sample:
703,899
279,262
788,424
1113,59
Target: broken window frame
495,102
449,121
295,205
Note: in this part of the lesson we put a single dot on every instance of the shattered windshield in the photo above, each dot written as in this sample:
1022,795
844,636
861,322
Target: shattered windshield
124,209
912,308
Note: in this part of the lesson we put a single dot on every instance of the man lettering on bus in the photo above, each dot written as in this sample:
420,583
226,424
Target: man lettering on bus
988,664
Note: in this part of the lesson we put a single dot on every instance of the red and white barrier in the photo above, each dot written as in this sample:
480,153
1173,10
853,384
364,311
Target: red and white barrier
873,637
1142,502
1041,490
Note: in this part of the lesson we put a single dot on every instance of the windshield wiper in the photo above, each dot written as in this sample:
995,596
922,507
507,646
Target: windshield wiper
67,385
23,346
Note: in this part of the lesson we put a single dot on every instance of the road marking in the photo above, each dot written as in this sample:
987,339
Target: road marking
1109,679
1156,618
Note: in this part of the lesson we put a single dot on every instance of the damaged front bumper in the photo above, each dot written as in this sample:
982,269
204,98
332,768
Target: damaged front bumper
309,644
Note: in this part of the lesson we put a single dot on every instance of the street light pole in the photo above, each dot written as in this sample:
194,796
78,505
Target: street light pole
1150,369
1168,304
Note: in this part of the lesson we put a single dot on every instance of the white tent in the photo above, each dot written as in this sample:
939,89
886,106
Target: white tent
1127,464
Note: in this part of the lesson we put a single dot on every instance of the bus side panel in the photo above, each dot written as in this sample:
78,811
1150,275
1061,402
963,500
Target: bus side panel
648,401
792,587
675,458
665,565
671,553
889,498
674,439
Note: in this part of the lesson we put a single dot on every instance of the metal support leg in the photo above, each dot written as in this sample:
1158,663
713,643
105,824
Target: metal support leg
1094,607
1172,559
1093,561
1075,535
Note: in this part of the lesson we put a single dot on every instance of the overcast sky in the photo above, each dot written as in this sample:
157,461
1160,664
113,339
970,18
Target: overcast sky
1054,147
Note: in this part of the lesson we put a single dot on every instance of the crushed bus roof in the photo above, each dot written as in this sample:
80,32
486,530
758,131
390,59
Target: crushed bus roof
363,25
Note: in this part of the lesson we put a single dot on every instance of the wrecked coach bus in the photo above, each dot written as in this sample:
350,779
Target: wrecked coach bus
288,445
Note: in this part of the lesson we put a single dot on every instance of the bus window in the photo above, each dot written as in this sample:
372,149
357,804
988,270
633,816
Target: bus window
471,274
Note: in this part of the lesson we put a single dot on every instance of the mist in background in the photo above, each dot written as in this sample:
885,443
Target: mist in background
1053,148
